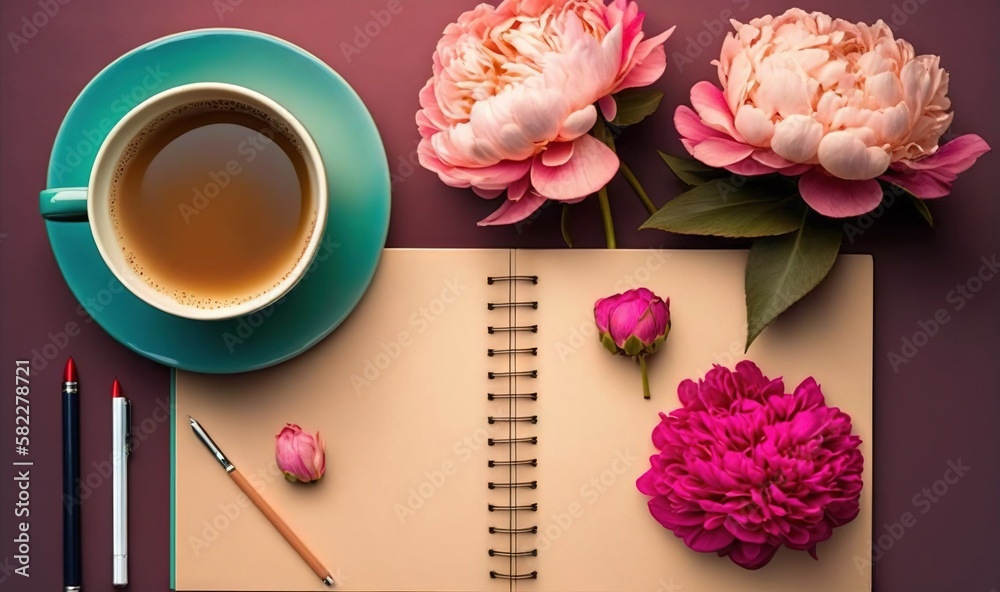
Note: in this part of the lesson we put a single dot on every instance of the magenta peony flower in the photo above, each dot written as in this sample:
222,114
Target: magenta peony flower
839,103
512,98
745,468
299,454
633,324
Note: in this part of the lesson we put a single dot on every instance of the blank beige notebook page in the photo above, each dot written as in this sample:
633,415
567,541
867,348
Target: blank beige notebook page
399,394
594,427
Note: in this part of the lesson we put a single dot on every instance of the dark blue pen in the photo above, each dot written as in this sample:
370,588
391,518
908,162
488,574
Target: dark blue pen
71,479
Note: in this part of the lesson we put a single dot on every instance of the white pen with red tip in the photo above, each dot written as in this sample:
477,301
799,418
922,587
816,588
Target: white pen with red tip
121,443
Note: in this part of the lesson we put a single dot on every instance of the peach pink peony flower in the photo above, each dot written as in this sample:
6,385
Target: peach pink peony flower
745,468
513,92
839,103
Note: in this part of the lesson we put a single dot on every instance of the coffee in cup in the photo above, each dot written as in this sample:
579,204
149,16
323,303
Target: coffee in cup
208,201
211,203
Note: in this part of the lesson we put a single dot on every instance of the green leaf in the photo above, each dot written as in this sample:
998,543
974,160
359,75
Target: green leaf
633,345
564,226
692,171
918,204
781,270
602,133
634,105
719,208
609,343
922,209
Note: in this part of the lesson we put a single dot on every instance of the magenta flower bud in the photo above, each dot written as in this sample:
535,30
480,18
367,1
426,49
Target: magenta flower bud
633,324
299,454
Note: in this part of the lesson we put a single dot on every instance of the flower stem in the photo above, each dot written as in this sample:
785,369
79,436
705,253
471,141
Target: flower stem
645,378
564,226
609,226
637,187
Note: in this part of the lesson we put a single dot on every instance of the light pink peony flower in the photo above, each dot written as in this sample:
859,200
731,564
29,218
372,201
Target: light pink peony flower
745,468
299,454
841,104
513,92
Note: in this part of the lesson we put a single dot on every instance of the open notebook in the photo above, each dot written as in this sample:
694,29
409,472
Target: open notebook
401,394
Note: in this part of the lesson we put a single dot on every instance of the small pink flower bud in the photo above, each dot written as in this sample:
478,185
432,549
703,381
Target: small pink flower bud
300,455
633,324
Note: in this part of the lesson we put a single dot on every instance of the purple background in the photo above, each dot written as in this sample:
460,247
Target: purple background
942,406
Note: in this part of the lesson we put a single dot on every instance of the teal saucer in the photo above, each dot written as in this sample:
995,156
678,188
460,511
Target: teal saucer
357,174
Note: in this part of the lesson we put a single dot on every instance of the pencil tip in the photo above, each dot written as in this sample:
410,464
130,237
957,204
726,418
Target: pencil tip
328,581
69,372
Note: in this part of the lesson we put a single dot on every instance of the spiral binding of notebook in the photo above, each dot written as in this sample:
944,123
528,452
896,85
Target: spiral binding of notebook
515,519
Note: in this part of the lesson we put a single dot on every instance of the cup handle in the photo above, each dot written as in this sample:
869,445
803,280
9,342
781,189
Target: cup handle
68,204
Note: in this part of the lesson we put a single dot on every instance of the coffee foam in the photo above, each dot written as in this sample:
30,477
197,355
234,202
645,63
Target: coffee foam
132,150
